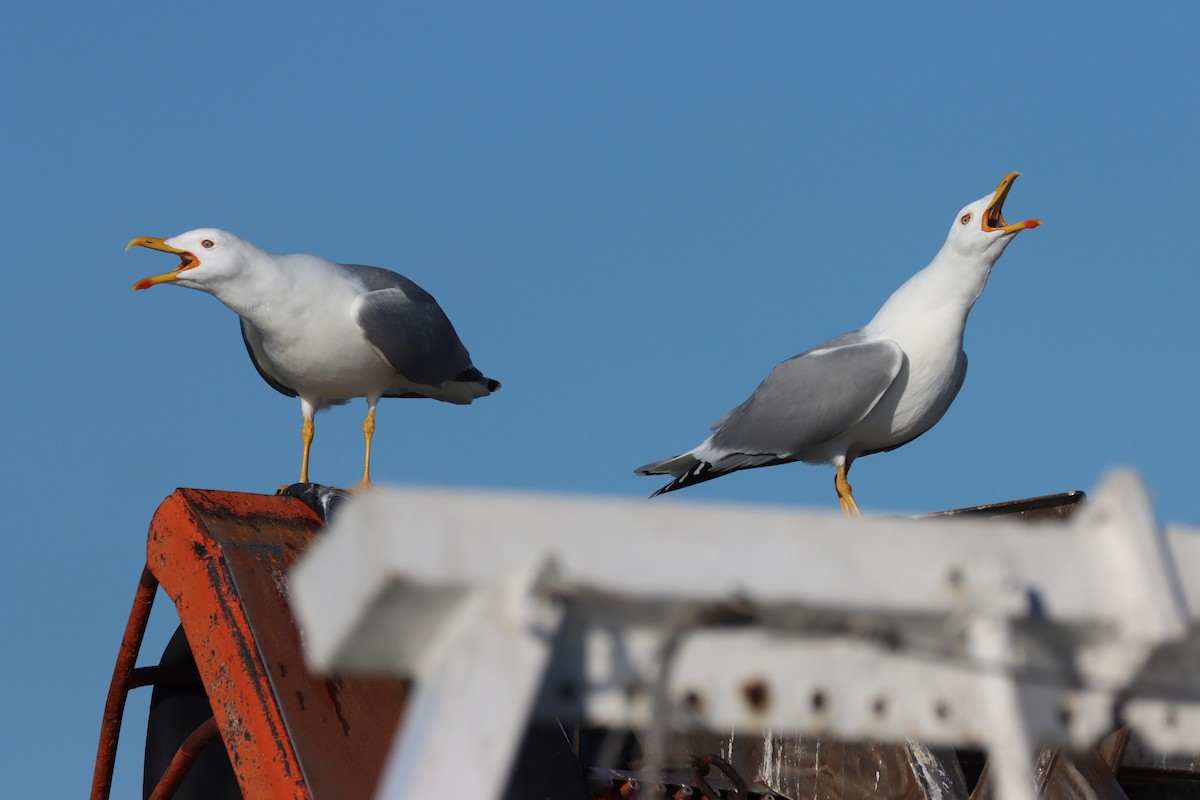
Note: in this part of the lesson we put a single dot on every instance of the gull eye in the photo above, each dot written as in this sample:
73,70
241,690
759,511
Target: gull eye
208,243
964,219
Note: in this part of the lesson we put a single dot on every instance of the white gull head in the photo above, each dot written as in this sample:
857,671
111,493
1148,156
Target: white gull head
979,232
209,258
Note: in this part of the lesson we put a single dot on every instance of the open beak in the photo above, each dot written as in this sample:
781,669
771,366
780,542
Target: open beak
187,260
993,220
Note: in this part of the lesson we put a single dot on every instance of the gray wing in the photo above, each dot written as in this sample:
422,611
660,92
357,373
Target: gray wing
812,397
408,328
253,341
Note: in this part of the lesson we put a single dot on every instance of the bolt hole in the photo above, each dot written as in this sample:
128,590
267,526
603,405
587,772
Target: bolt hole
757,695
879,707
942,709
818,701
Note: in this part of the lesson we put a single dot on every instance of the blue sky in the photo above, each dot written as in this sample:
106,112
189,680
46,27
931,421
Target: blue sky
631,212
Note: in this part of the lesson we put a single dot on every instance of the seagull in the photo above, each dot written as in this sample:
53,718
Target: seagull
327,332
870,390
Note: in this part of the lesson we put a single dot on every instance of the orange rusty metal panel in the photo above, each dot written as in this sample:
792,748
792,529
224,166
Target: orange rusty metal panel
222,558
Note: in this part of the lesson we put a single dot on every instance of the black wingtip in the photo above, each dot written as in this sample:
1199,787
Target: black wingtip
705,471
473,375
653,469
698,474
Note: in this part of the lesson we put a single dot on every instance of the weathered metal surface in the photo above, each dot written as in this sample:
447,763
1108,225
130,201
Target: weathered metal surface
122,680
610,784
1063,776
829,770
794,766
1114,746
1138,756
1146,774
837,770
1047,507
222,558
797,766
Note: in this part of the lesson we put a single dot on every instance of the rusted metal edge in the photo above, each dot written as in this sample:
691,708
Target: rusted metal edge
118,689
1112,747
1050,505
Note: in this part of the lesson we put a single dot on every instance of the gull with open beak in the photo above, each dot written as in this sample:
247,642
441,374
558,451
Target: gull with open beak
870,390
327,332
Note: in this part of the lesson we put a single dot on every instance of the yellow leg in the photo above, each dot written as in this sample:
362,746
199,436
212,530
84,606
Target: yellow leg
368,432
845,493
306,435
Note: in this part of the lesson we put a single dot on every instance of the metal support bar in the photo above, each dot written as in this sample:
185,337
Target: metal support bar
502,626
118,690
159,675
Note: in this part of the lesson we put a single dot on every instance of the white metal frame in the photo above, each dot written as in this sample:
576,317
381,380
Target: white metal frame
951,631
